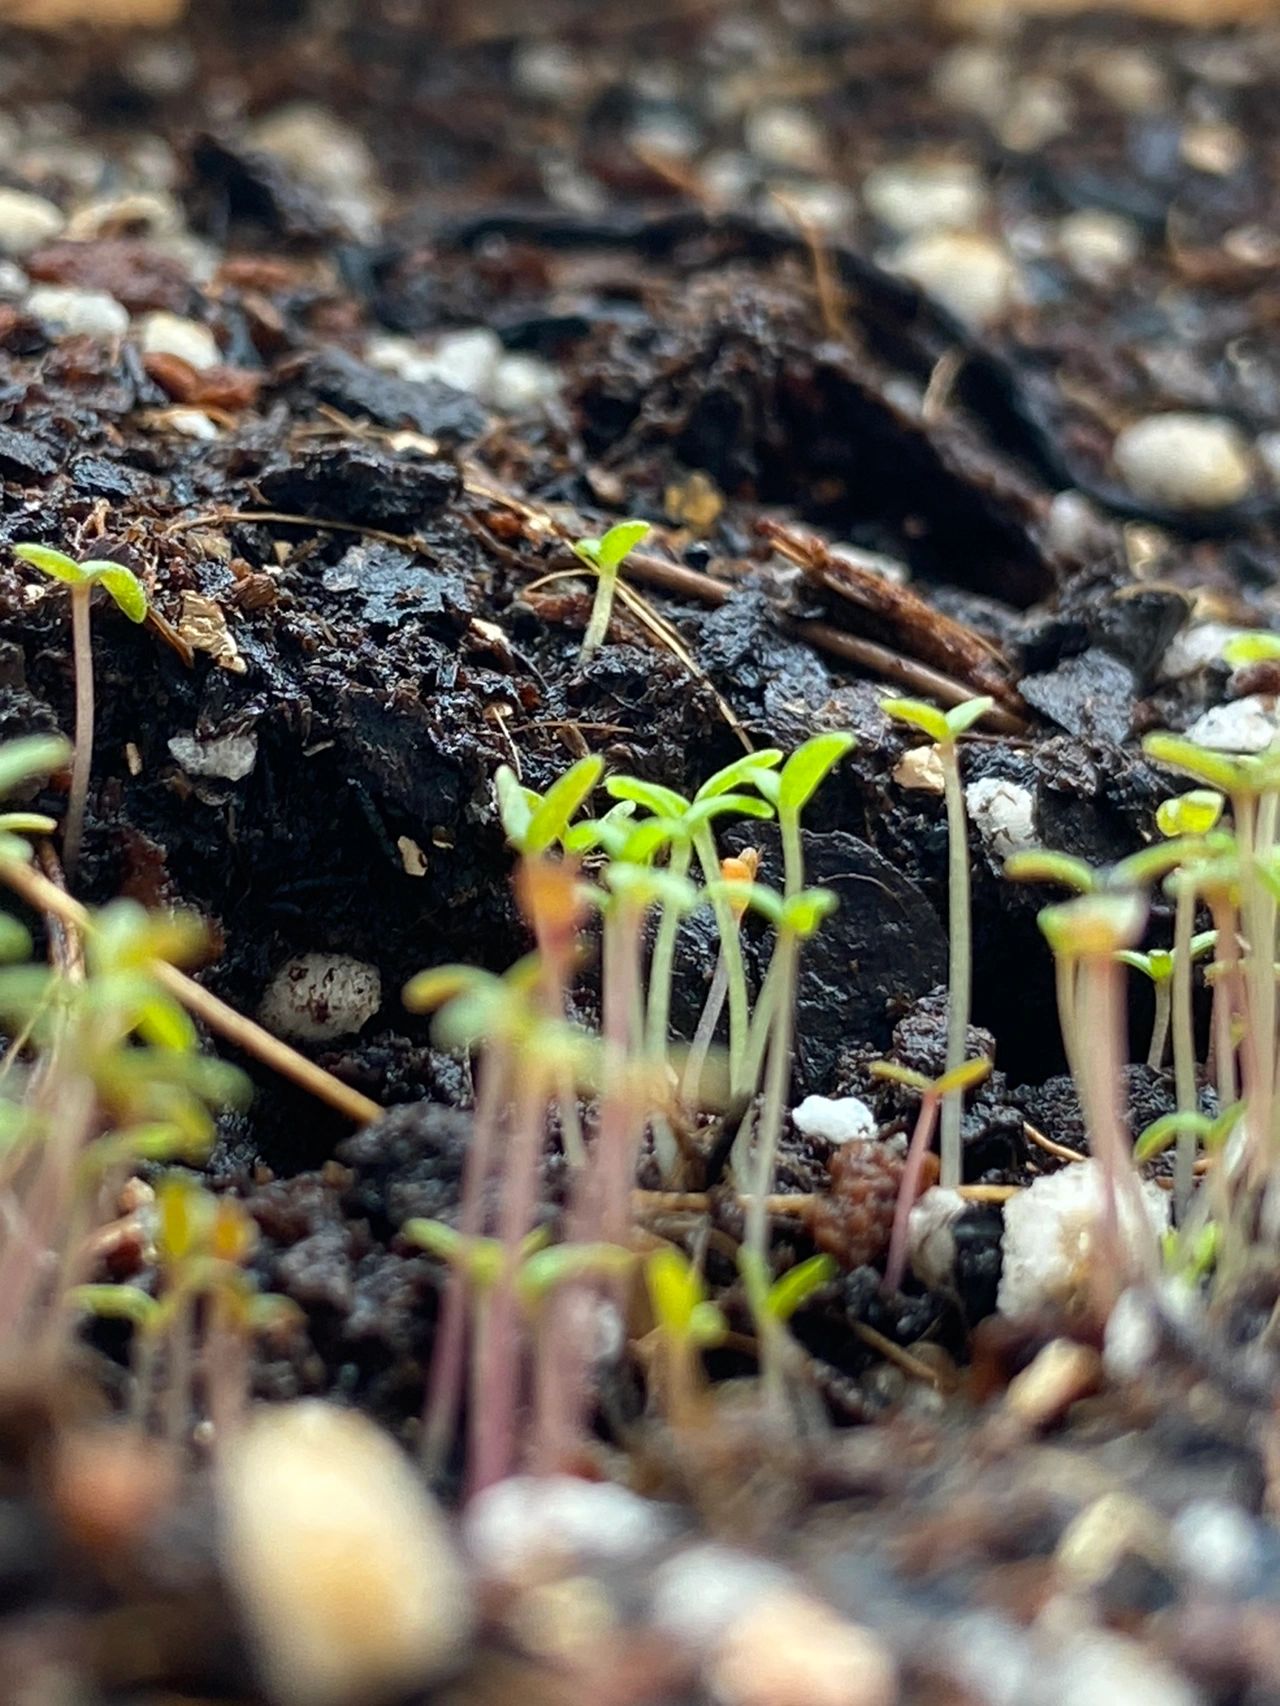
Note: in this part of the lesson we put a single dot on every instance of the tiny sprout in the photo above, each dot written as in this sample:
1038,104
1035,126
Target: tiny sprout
682,1311
1157,1137
533,822
1039,865
954,1083
774,1303
1160,966
606,556
945,728
129,595
1192,813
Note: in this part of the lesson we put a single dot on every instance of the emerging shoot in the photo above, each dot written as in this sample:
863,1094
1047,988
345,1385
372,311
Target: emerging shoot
606,556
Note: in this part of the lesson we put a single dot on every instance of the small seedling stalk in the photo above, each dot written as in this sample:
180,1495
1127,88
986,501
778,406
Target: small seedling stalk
777,1081
82,764
1184,1047
960,976
909,1189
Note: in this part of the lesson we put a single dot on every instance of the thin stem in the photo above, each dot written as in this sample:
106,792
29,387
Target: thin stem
82,759
909,1189
959,967
601,610
731,948
448,1351
704,1035
1184,1047
777,1081
1159,1023
792,853
658,1018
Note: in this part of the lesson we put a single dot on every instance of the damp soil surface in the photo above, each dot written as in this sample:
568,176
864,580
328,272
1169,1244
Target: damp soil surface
338,325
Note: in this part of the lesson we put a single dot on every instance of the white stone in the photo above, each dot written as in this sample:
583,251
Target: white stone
1241,725
1218,1544
696,1595
550,70
26,221
1132,1336
1131,78
1195,648
523,382
317,145
1268,448
791,1650
229,758
339,1559
1042,108
151,213
925,195
467,360
69,311
317,998
838,1119
14,283
1184,460
171,334
974,78
529,1523
972,275
826,207
1073,524
784,135
189,423
1098,245
1003,813
931,1243
1095,1666
1050,1234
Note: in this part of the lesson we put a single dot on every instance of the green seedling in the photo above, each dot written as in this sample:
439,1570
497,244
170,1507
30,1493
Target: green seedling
1159,966
606,557
774,1301
1087,935
686,1323
128,594
795,919
933,1093
535,823
792,789
945,728
1244,649
692,827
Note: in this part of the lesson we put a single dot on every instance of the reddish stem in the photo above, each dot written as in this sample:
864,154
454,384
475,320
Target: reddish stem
909,1189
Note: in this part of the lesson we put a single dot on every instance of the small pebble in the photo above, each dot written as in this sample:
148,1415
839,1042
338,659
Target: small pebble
1217,1543
26,222
791,1650
785,136
1056,1377
317,998
146,213
931,1240
1242,725
838,1119
972,275
974,78
466,360
920,771
697,1594
1003,813
339,1559
1042,108
1098,245
1050,1232
1093,1667
1185,461
535,1524
1194,648
925,195
14,283
315,144
523,382
550,71
171,334
1217,149
229,758
1131,79
89,312
829,208
189,423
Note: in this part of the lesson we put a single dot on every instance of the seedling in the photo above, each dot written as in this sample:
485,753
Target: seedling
933,1093
128,594
792,789
1086,936
774,1302
1159,967
23,761
606,556
686,1323
945,728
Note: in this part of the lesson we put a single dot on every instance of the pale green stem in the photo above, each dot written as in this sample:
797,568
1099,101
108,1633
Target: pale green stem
731,948
1159,1023
704,1035
601,610
777,1080
1258,913
792,853
960,963
658,1018
1184,1046
82,758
